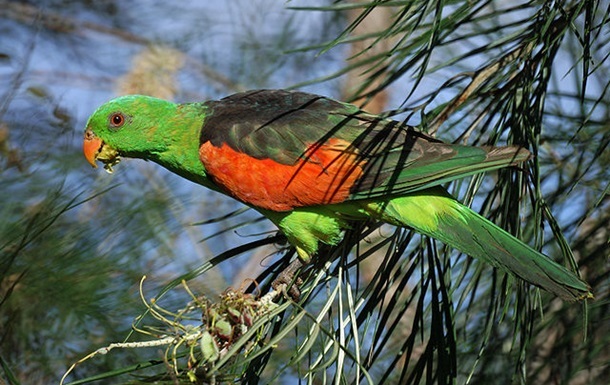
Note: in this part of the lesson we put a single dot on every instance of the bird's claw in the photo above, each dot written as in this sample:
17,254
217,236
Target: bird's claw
287,282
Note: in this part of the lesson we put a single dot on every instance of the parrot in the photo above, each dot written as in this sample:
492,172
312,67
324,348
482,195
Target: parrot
312,164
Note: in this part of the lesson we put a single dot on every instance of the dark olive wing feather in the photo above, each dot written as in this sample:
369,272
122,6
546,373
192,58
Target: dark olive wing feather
269,124
396,159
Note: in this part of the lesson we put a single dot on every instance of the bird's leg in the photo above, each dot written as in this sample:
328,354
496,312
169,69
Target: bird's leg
287,279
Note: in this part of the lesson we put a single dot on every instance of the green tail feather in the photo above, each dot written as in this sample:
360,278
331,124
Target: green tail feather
435,213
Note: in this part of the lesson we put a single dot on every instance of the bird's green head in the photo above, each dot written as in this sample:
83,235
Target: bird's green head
130,126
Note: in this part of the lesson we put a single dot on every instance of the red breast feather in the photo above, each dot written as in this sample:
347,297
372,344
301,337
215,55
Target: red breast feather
324,175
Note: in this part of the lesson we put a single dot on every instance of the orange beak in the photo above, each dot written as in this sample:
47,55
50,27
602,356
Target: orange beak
91,147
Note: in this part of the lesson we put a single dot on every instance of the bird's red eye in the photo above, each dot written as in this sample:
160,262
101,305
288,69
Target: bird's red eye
117,120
